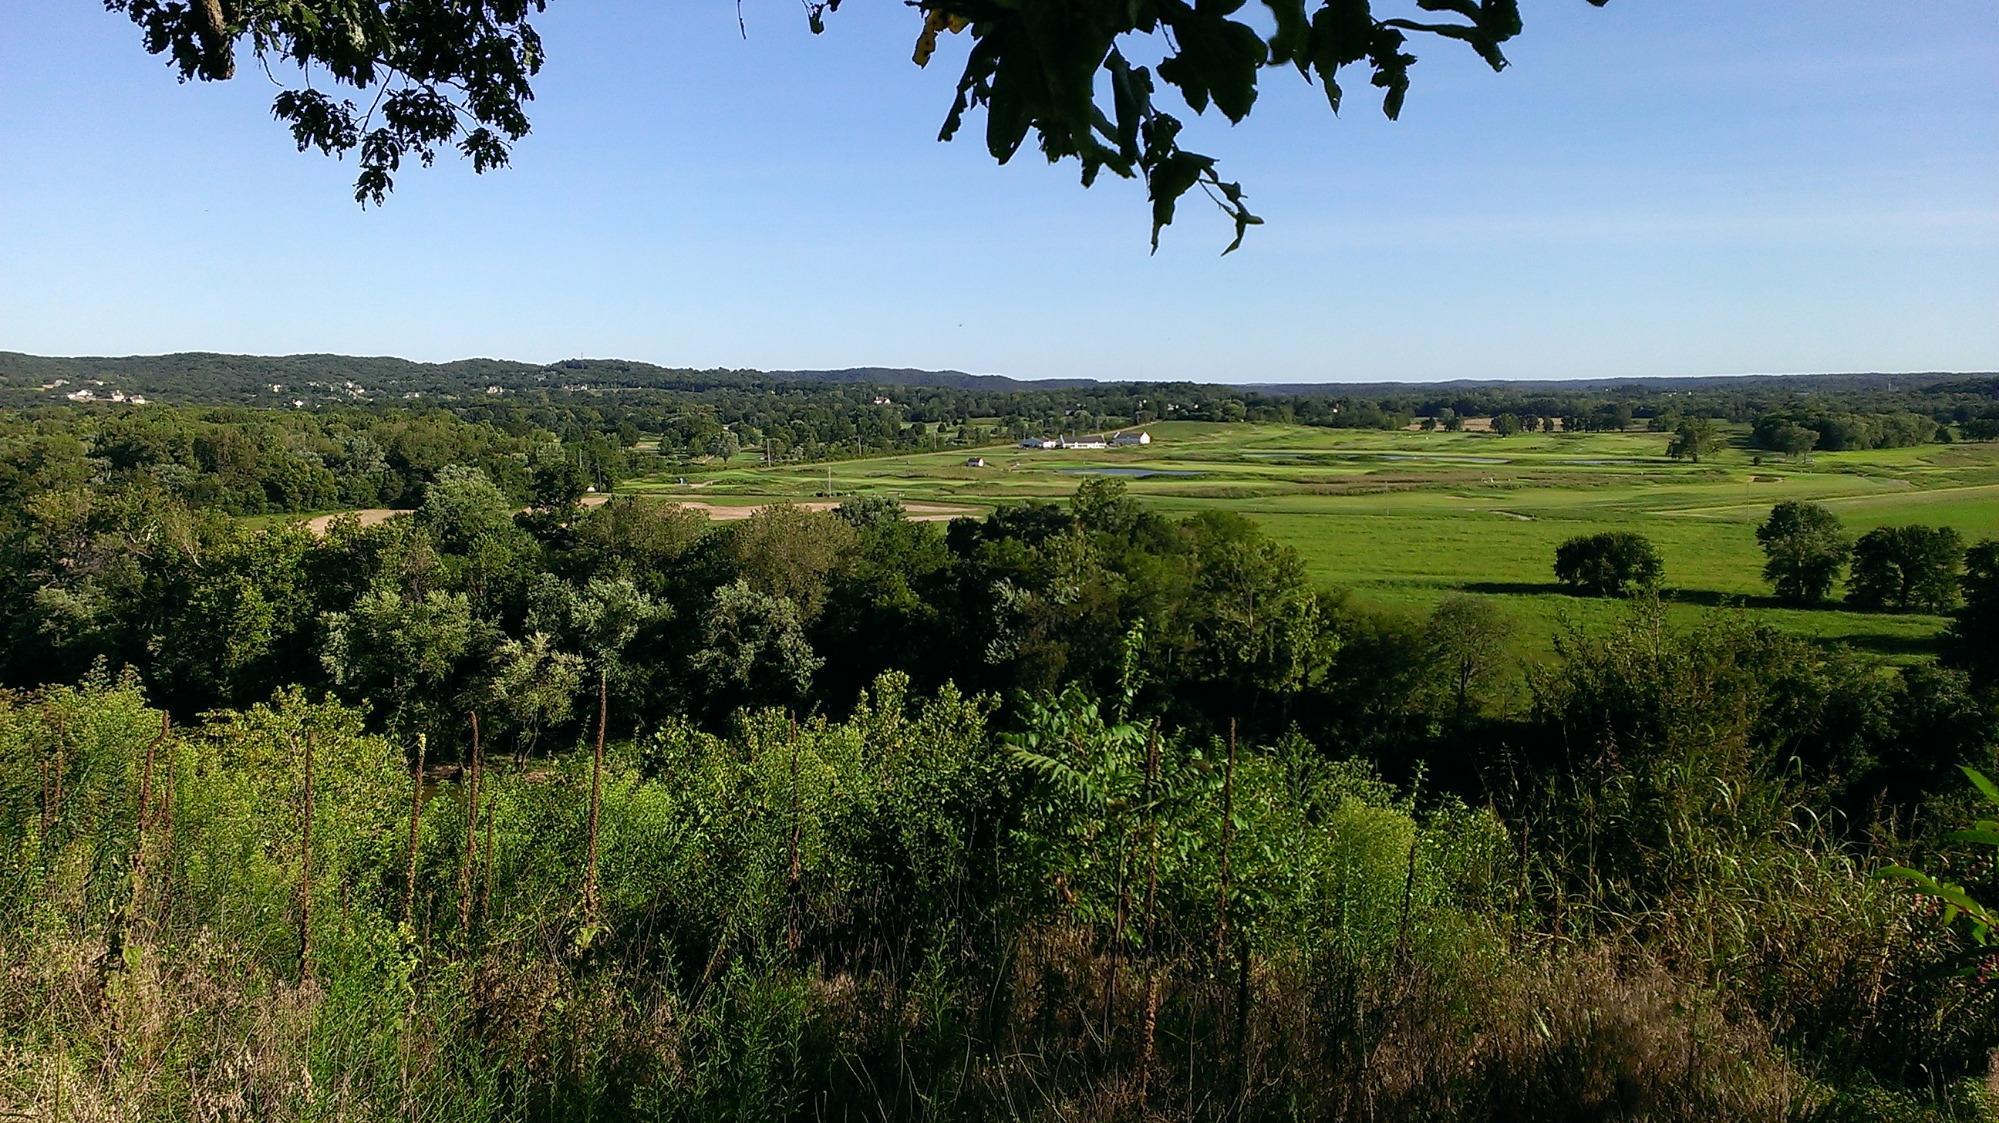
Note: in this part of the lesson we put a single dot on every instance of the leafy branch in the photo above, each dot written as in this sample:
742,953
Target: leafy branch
457,72
1982,920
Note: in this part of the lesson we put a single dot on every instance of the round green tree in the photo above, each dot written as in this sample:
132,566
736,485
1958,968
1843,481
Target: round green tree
1906,568
1610,564
1805,548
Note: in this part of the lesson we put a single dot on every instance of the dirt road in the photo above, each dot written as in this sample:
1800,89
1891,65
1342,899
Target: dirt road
720,512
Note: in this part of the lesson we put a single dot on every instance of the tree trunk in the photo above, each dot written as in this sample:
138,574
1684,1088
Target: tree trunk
471,856
1228,840
305,870
211,26
416,826
596,798
792,937
1150,1025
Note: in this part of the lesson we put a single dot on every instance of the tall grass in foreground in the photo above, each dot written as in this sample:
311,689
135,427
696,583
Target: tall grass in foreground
900,916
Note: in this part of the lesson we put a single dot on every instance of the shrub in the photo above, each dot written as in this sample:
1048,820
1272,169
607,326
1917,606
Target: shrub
1613,563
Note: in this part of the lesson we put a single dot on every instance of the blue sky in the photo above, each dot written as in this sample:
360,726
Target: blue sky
1661,187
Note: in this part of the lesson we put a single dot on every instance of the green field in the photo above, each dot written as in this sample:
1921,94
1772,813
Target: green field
1402,518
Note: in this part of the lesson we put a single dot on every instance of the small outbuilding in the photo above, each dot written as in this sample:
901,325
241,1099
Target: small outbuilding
976,462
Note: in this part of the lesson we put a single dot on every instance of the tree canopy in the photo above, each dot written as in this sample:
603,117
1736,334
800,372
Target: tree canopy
1609,564
432,75
1906,568
1805,547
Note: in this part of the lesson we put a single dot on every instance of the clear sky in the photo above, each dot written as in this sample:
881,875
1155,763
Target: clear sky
1662,187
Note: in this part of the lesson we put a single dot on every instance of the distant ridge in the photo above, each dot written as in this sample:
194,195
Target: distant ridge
206,376
1878,380
214,377
904,376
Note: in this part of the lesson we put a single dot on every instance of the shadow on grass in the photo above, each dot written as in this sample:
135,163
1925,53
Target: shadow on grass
1709,598
1522,589
1886,643
1705,598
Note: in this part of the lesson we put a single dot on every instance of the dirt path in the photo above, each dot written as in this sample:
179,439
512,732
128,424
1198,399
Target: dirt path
917,512
369,516
719,512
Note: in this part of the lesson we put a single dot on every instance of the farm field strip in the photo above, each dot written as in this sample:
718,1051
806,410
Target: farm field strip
1402,518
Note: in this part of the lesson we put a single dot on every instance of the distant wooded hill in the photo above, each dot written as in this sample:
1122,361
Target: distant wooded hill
209,377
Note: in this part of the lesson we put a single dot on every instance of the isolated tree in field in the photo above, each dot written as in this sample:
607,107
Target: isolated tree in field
433,76
1694,439
1804,547
1907,568
1611,564
1506,424
1973,640
1467,640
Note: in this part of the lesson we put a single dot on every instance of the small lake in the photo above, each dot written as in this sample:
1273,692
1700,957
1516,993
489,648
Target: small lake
1368,456
1135,473
1446,458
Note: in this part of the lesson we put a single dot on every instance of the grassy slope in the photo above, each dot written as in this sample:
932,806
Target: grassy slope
1403,518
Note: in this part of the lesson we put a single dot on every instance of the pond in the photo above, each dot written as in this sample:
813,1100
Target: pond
1135,473
1445,458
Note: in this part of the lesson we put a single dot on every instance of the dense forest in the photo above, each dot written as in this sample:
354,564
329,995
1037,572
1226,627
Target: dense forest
514,808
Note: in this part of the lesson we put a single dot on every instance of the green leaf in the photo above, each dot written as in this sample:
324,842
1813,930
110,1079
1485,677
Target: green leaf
1982,783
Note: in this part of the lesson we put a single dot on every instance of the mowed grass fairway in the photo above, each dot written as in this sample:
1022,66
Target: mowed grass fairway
1403,518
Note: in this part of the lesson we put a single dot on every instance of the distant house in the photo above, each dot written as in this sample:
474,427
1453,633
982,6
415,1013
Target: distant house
1038,442
976,462
1083,442
1127,439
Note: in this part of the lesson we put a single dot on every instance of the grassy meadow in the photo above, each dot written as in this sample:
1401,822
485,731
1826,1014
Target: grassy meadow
1402,518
